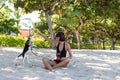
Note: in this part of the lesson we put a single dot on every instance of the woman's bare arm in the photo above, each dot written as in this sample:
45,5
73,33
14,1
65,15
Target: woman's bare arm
69,51
46,38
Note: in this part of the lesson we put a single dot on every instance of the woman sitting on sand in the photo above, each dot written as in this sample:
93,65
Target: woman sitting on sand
62,47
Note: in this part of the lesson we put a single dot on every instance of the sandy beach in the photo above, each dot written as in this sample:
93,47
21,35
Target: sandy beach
85,65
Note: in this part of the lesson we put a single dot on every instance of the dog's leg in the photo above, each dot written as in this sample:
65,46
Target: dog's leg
26,58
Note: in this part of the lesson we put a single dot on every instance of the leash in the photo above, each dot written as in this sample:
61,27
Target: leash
33,49
35,53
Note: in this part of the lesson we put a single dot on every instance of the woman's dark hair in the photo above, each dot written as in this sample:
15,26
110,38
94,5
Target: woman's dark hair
61,35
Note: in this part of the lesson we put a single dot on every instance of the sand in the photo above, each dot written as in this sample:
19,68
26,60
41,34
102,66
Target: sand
85,65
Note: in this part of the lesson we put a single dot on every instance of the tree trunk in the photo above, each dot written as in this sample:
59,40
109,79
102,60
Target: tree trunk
50,28
112,44
77,31
103,44
99,43
78,38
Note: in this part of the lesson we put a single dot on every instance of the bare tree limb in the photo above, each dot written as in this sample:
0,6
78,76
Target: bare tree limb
81,24
54,4
2,14
2,6
43,5
117,34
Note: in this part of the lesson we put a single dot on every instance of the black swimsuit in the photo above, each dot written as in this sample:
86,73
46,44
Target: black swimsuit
59,53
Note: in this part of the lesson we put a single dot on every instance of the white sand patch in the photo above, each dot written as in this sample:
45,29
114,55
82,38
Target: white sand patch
85,65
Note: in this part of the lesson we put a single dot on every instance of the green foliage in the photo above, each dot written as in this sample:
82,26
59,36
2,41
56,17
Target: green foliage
42,26
83,46
6,40
7,26
11,41
42,44
73,45
89,46
101,18
29,6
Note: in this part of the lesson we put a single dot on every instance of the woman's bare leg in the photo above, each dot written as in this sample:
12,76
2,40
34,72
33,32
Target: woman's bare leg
48,64
62,64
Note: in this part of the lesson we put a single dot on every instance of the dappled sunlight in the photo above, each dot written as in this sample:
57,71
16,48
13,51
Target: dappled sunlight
117,77
1,54
81,55
66,78
85,65
30,78
11,49
41,53
113,61
99,66
7,69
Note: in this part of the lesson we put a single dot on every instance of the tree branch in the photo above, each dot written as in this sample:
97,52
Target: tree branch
54,4
43,5
80,24
2,6
117,34
2,14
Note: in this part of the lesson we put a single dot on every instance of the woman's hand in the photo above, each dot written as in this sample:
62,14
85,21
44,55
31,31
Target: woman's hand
63,58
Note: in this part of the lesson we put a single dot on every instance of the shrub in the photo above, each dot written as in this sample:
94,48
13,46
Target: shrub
73,45
42,43
89,46
11,41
